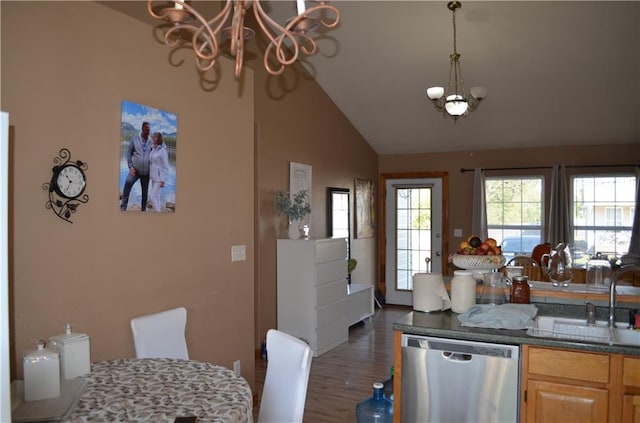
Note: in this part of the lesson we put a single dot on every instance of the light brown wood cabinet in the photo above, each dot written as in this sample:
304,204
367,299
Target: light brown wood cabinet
631,390
559,384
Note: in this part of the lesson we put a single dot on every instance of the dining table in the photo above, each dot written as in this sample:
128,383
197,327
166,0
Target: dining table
161,390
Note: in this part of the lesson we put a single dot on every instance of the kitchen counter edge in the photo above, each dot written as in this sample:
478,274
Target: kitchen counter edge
445,324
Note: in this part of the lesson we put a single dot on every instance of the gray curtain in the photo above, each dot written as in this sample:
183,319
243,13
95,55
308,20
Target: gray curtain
479,219
634,245
559,227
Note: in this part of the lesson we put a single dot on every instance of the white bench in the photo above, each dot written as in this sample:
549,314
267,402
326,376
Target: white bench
359,302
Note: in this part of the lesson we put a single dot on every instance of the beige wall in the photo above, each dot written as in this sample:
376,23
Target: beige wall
302,125
66,67
461,184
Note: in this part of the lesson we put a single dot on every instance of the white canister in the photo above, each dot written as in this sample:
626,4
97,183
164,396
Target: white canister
463,291
41,368
75,353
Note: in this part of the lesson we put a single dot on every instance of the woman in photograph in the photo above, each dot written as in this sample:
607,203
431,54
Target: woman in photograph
158,170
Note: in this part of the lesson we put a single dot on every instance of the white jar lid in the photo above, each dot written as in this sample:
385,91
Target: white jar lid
462,273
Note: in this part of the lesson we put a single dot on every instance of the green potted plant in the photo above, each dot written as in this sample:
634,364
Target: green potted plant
351,266
295,207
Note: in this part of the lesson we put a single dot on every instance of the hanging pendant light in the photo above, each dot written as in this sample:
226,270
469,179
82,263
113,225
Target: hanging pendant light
454,102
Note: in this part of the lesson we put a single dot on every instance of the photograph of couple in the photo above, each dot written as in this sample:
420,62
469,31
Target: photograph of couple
148,141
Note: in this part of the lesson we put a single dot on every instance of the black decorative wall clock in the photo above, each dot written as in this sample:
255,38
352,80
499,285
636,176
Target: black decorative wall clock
66,188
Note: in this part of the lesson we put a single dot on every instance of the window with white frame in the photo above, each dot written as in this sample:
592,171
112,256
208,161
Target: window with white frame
515,212
602,212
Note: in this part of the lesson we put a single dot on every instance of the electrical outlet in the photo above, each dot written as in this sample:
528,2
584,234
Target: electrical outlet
236,367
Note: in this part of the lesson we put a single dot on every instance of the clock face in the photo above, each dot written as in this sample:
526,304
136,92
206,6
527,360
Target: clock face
70,181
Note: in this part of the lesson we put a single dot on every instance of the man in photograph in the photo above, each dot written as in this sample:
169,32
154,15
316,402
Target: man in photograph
137,154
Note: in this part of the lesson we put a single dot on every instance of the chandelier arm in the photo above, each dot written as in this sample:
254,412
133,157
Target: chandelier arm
151,12
438,104
451,71
311,48
204,62
333,9
474,103
276,50
331,23
238,65
276,45
307,44
237,27
203,37
216,23
460,79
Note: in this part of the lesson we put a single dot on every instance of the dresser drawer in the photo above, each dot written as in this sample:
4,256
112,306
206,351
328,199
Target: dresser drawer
331,271
330,313
331,335
331,250
569,364
331,292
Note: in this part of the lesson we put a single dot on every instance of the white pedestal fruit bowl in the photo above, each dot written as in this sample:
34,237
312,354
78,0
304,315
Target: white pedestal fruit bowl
479,256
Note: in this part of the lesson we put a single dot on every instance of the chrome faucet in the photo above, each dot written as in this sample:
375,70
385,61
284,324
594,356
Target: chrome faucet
612,291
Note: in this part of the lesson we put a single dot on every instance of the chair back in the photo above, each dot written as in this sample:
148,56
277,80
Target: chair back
285,384
540,250
161,335
530,267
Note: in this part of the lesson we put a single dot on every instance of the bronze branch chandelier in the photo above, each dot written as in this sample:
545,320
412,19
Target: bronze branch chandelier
207,37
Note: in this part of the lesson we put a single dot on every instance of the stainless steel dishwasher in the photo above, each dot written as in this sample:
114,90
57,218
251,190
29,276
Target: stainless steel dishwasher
456,381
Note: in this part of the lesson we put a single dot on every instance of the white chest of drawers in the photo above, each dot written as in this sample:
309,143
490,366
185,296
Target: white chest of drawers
312,291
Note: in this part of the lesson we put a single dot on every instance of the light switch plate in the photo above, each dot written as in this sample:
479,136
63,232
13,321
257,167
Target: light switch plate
238,253
457,232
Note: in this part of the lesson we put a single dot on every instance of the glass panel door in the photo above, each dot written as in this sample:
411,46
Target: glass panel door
413,233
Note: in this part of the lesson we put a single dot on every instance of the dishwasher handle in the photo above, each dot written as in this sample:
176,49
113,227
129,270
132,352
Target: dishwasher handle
453,356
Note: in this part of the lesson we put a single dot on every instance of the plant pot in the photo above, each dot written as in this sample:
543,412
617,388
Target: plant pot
294,229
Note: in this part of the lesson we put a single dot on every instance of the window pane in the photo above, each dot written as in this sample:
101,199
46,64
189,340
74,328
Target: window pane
340,214
515,212
603,213
403,219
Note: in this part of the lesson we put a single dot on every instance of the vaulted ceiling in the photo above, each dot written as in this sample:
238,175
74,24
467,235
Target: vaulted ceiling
558,73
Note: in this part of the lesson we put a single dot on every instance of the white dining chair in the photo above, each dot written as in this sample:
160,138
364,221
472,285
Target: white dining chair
161,335
285,384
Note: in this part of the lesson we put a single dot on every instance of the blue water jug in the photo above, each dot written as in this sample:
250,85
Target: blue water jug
376,409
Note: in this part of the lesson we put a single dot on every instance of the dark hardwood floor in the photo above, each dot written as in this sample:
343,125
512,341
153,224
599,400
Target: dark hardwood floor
345,375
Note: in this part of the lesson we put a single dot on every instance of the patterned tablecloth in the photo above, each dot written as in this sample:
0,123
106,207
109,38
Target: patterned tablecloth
159,390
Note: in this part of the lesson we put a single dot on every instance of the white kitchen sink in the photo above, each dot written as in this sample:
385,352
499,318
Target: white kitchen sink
578,329
626,337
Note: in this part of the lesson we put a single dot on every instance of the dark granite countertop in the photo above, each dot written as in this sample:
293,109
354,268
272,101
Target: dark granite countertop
445,324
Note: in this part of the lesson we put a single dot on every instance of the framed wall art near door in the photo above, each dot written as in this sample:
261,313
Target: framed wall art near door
365,209
299,178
